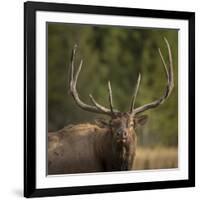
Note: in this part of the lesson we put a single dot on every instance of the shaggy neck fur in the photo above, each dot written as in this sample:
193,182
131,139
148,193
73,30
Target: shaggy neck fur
115,156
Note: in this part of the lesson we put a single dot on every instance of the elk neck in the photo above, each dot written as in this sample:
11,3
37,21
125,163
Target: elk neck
114,156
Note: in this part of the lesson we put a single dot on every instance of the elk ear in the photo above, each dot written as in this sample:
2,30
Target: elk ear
141,120
102,122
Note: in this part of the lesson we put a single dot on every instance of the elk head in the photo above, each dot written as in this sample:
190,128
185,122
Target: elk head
122,125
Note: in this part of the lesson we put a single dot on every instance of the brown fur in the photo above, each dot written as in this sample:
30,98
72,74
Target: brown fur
73,149
85,148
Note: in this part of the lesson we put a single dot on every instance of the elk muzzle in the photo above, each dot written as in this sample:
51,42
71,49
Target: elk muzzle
122,135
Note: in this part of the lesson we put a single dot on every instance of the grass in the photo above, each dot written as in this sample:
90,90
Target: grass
156,158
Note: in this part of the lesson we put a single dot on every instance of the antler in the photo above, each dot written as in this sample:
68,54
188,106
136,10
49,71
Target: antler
169,87
135,94
96,108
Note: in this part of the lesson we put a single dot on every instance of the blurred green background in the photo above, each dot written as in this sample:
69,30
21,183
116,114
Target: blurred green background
117,54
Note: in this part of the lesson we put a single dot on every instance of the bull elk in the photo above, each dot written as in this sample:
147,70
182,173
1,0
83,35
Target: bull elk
105,145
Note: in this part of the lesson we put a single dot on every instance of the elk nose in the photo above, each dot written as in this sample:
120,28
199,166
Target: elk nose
122,133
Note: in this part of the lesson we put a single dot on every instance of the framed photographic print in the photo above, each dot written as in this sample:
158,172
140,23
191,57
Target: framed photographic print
109,99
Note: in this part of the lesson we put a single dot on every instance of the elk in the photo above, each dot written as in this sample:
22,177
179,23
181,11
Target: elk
105,145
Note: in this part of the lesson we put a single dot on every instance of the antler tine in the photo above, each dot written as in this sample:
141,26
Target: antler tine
135,94
110,97
71,69
163,61
170,83
72,83
97,105
171,73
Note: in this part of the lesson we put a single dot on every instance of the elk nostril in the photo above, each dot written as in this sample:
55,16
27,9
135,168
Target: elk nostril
118,133
125,134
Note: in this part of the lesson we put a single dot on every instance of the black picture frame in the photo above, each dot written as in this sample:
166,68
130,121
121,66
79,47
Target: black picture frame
30,9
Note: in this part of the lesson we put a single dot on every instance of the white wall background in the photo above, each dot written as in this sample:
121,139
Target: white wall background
11,99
